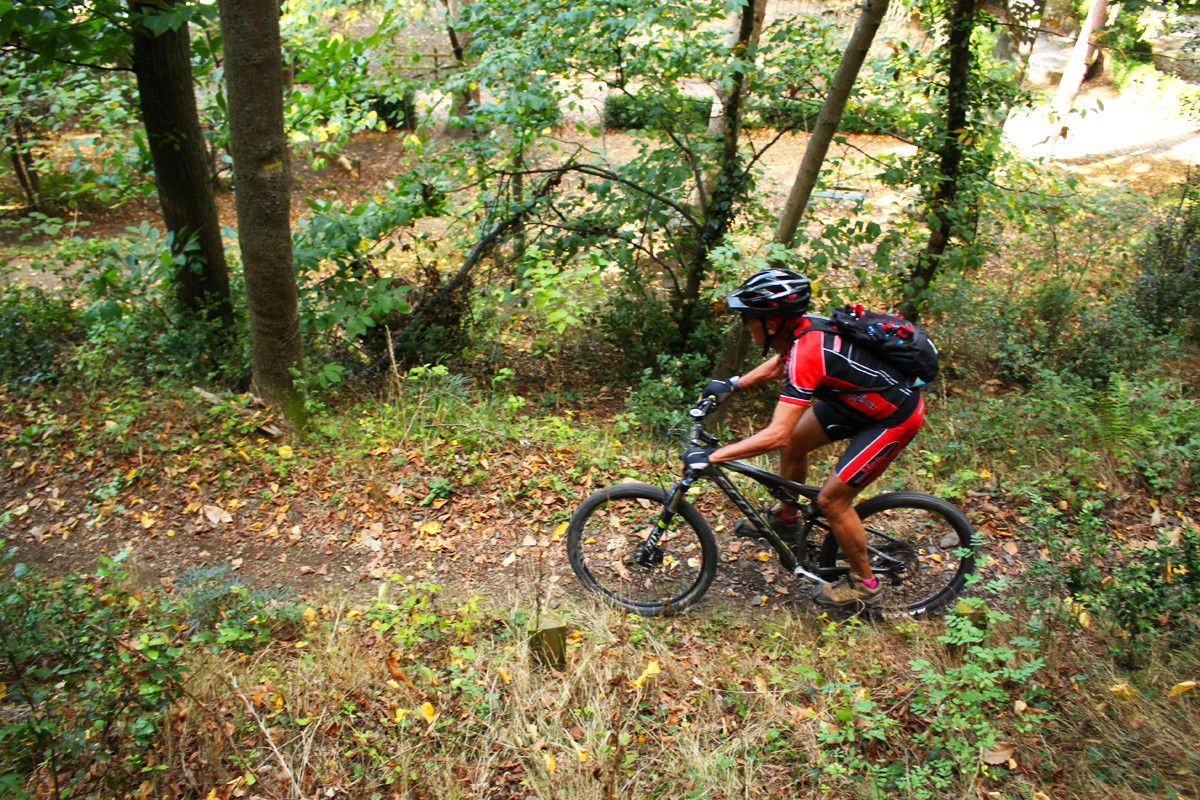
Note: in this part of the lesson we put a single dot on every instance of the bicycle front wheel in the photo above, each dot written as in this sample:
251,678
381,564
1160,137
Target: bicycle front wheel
603,537
920,546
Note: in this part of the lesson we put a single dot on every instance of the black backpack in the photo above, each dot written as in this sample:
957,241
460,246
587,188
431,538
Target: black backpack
893,338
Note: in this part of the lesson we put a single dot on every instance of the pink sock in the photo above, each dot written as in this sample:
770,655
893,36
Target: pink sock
788,518
871,582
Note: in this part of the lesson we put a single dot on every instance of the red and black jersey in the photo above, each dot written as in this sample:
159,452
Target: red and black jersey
829,367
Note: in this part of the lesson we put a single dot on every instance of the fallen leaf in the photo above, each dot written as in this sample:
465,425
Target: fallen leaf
217,515
1020,706
558,532
505,675
393,665
999,753
1123,690
579,751
284,451
1180,688
549,759
1085,620
1011,548
432,528
760,683
650,671
428,713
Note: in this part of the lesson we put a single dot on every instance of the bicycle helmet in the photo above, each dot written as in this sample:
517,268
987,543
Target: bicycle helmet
772,293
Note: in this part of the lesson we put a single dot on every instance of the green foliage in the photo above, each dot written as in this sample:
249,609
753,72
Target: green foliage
1155,591
1167,95
656,399
131,323
1166,293
87,671
352,298
625,111
36,327
222,611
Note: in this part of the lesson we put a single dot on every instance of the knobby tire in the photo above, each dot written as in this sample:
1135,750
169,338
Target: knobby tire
602,539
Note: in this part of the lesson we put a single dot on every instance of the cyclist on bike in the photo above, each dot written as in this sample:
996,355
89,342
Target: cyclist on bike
832,390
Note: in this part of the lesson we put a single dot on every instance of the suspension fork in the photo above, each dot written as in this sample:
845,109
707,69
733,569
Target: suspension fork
647,553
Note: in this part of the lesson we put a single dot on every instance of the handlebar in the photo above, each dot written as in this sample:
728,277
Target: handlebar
697,434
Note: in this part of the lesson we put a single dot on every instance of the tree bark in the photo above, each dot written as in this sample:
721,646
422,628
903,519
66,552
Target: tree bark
829,118
163,67
262,181
1072,79
942,205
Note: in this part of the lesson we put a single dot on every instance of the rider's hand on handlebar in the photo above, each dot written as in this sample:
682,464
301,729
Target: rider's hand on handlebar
719,390
697,458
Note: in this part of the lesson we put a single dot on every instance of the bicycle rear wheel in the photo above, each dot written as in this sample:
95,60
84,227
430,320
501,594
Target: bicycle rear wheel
603,538
920,546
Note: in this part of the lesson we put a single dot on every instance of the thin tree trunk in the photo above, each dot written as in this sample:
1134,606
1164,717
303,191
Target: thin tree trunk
942,206
262,178
731,176
1072,79
163,67
829,118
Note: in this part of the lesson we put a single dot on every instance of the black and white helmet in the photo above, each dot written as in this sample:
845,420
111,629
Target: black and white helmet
772,293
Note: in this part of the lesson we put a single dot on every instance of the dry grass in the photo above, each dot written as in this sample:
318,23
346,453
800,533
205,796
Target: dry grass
766,704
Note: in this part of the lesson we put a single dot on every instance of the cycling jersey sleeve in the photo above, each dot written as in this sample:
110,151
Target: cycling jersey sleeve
805,368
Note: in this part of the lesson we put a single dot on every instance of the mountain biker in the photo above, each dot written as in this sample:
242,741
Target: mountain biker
832,390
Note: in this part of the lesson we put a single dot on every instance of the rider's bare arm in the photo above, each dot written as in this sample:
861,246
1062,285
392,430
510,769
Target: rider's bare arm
769,370
772,437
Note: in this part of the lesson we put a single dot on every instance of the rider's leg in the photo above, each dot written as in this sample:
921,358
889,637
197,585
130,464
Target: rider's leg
837,504
807,436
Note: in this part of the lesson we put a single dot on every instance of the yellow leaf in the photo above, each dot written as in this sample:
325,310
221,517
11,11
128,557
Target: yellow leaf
1176,690
549,758
309,615
1085,620
1123,690
579,751
985,473
401,713
505,675
284,451
3,691
1040,796
148,521
650,671
764,556
1020,706
212,795
428,713
760,683
432,528
558,532
439,503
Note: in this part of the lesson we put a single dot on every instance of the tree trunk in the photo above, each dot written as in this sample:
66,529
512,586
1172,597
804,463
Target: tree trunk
942,205
467,99
1072,79
163,67
829,118
1015,38
262,178
731,176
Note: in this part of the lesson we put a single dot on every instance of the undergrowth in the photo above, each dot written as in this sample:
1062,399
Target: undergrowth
416,693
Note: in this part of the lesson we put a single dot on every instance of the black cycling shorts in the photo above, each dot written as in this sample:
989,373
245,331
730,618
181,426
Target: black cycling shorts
874,443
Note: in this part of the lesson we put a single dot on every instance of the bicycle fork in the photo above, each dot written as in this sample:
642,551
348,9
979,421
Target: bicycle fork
648,553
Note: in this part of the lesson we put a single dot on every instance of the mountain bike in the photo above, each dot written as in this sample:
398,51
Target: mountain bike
649,551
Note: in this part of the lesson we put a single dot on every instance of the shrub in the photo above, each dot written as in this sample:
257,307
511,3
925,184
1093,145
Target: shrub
1167,292
86,674
636,111
35,326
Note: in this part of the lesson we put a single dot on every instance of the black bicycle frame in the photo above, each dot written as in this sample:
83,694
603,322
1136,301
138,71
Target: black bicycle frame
780,488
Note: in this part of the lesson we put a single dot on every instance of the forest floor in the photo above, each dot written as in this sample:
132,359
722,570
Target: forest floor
89,477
